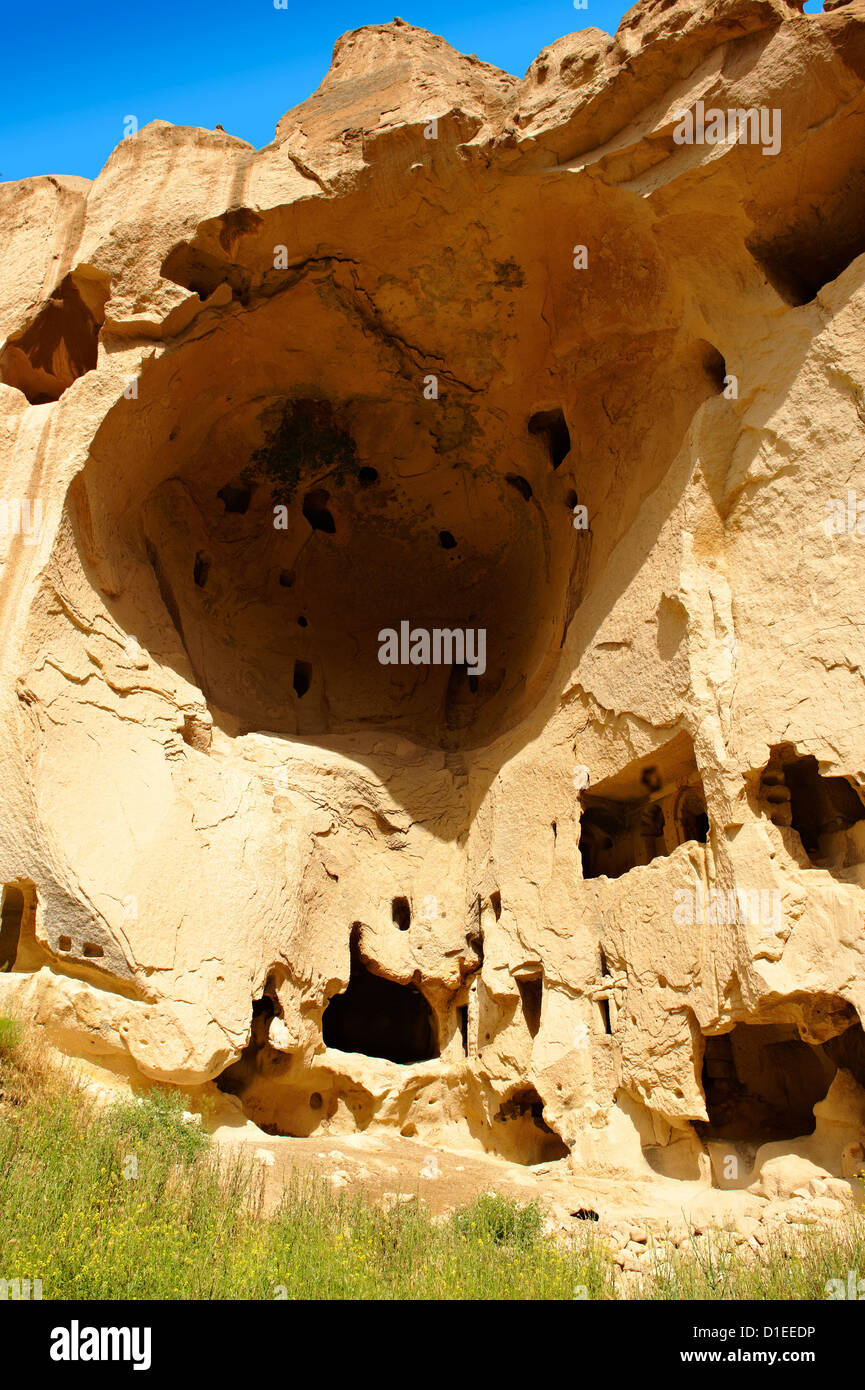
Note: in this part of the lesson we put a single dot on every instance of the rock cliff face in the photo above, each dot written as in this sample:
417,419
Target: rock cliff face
574,361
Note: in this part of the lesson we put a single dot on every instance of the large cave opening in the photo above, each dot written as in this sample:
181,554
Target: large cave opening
379,1017
827,813
268,507
643,812
816,246
61,344
327,567
761,1083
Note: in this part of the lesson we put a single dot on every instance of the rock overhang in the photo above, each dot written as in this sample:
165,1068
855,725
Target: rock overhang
679,358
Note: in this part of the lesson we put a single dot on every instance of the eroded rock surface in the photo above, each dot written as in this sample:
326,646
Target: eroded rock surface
465,352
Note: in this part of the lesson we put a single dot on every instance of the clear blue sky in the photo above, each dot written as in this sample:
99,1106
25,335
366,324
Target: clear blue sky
73,71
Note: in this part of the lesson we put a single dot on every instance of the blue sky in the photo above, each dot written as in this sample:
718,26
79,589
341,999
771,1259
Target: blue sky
73,72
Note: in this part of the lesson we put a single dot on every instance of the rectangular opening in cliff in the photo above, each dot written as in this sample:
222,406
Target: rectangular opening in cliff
531,990
761,1083
11,914
379,1017
827,813
644,811
552,428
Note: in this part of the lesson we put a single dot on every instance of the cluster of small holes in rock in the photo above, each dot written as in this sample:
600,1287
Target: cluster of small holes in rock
90,949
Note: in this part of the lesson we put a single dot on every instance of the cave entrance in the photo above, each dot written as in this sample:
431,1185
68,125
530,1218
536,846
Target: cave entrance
280,543
520,1133
616,836
822,810
241,1074
11,914
62,342
761,1083
644,811
379,1017
847,1051
816,245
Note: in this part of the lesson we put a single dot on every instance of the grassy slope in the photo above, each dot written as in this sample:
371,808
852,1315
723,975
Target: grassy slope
130,1202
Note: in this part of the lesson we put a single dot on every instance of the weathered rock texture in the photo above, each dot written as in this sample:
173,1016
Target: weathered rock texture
604,900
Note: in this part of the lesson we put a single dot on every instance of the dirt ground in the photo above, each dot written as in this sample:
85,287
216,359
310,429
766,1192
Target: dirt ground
389,1168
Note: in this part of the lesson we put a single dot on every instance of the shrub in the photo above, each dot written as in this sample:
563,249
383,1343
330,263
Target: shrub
501,1221
155,1120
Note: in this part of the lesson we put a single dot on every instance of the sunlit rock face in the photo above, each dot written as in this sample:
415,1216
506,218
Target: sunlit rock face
574,362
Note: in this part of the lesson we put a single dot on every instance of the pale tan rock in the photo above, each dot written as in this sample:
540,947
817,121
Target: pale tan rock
787,1176
223,815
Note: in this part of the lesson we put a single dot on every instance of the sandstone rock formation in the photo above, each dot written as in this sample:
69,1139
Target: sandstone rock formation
603,901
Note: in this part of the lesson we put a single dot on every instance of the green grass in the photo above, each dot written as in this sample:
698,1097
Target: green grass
795,1265
9,1033
129,1201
